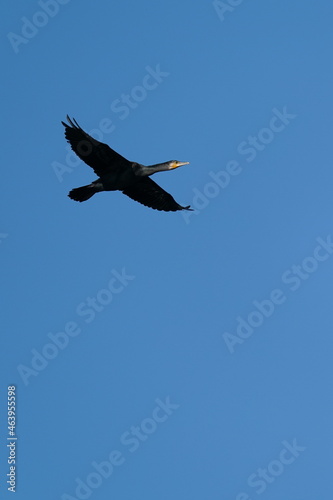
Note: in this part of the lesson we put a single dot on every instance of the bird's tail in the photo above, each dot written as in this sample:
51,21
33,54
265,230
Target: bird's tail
82,193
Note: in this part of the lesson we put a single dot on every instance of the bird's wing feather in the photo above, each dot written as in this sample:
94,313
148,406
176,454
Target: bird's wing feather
150,194
99,156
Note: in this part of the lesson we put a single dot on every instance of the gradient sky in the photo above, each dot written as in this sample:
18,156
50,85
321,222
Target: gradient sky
169,355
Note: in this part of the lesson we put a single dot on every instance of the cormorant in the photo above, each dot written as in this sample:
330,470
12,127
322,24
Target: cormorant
117,173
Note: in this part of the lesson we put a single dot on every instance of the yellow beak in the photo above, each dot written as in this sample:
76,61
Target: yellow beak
177,164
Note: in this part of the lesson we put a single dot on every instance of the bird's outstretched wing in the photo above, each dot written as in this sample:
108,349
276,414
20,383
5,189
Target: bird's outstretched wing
99,156
150,194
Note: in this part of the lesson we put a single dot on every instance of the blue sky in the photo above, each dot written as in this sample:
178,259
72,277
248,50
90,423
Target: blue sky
163,355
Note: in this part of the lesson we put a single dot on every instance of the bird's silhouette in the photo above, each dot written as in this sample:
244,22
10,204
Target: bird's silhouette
117,173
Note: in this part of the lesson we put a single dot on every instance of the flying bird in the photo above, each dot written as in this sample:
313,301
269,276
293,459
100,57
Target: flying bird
116,173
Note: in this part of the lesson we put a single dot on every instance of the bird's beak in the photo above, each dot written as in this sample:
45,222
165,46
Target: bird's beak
179,164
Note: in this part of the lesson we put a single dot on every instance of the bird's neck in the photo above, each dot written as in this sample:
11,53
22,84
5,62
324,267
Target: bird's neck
152,169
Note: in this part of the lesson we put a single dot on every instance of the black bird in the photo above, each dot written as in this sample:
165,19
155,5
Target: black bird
117,173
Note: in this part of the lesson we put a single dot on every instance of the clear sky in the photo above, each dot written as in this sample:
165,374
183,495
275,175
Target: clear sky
169,355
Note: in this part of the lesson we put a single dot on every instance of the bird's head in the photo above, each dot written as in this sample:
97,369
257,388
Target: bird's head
175,164
160,167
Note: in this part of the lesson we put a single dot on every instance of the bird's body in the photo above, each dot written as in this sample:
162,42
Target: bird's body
115,173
